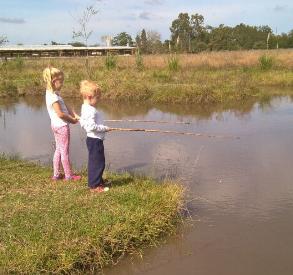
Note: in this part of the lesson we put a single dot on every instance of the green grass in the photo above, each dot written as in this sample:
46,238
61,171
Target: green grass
169,83
61,227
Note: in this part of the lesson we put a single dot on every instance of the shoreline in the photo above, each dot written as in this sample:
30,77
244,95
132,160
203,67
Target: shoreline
53,227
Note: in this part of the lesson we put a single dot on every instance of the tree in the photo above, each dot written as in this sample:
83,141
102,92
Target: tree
154,44
84,33
138,41
143,42
222,38
83,22
56,43
190,34
122,39
77,44
181,32
3,40
197,25
290,39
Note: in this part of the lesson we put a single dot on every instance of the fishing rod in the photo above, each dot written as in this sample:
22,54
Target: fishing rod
172,132
147,121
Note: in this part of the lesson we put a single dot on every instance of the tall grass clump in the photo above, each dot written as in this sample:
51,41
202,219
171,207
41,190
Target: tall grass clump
13,64
266,62
62,228
173,63
19,63
8,89
110,61
139,60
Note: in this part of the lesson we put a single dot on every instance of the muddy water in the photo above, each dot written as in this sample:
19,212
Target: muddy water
241,191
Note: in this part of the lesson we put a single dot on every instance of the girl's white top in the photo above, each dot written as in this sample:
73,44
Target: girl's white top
91,122
51,98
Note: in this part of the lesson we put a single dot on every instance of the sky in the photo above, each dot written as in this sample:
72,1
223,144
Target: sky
43,21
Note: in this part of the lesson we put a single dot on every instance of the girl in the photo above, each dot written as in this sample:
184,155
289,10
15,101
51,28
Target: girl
61,115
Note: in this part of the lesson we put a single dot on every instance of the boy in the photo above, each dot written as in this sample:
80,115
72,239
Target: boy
91,122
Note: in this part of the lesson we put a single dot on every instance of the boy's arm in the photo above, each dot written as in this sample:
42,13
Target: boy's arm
89,124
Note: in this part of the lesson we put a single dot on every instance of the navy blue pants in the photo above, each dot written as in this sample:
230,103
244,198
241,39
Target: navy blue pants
96,161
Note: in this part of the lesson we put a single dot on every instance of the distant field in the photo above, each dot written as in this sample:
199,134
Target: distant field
185,78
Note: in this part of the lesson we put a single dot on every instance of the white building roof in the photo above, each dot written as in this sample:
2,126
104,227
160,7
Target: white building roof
57,47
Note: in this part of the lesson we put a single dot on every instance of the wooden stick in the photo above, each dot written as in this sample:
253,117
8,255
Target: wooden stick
172,132
148,121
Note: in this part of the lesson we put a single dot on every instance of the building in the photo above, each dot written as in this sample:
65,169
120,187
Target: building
62,51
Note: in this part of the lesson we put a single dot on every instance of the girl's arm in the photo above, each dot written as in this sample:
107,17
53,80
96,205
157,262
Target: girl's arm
70,110
67,117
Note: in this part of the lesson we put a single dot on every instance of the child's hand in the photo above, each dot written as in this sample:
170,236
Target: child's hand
109,129
76,116
74,120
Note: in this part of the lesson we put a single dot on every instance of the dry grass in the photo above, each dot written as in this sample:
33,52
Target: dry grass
213,60
216,60
198,78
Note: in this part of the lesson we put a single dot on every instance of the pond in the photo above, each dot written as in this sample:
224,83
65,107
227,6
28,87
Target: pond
240,191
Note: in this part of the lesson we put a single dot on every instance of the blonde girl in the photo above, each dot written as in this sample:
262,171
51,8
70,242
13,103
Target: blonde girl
61,115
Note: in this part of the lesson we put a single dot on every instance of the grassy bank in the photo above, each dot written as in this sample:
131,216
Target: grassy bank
198,78
62,227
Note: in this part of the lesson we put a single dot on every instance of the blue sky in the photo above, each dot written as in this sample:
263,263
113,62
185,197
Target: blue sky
43,21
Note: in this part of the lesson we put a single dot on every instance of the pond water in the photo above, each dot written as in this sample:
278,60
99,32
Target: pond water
240,191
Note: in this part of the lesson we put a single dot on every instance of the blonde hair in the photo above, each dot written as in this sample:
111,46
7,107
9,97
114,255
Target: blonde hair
49,74
89,88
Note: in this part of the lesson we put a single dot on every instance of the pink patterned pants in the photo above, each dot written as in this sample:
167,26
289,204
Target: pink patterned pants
61,155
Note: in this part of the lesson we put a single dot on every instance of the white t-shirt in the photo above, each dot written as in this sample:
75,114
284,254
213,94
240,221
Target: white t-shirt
51,98
91,122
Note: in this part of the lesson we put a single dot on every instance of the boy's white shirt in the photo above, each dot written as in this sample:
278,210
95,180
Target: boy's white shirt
91,122
51,98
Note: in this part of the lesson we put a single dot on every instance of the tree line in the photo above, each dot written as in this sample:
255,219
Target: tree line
189,34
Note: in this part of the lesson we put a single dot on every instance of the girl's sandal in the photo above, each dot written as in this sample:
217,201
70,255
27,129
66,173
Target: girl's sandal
59,177
73,178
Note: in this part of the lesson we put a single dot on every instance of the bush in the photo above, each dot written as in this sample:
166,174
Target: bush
13,64
110,62
266,62
200,47
139,60
7,88
19,63
173,63
258,45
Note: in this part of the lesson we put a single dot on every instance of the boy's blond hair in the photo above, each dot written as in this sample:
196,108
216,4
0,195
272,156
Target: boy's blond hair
89,88
49,74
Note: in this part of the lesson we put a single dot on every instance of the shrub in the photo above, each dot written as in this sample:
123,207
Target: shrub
7,88
110,62
19,63
139,60
266,62
173,63
13,64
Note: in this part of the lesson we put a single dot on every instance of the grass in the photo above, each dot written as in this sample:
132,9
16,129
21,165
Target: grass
198,78
61,227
